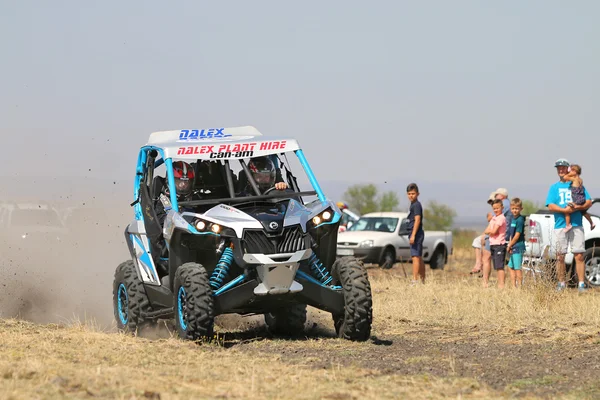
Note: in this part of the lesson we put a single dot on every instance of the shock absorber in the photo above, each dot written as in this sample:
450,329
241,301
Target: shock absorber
318,270
222,269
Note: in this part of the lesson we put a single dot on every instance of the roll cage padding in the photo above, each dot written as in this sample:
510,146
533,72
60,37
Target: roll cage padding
157,186
153,228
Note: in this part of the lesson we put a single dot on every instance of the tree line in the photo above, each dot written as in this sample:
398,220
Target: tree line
437,216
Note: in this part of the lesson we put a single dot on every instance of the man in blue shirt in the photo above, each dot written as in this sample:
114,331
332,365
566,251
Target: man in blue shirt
559,196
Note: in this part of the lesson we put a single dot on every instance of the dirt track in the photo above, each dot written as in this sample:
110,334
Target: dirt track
515,363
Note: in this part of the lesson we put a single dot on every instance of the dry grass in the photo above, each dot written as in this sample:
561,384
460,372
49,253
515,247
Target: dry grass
453,297
56,362
80,361
465,303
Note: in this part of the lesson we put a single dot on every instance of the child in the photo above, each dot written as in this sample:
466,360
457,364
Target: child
577,195
415,226
516,245
497,231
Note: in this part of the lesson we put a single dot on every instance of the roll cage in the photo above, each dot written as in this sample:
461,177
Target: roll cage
152,157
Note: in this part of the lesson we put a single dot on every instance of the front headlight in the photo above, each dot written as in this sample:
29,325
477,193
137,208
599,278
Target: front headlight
204,226
366,243
322,217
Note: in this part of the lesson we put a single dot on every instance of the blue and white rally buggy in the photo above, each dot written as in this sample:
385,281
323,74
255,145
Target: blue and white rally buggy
270,252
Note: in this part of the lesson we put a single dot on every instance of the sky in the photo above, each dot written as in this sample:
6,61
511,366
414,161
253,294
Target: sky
470,95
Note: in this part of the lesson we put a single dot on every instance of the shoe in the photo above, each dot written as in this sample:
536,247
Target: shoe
414,283
568,228
561,286
475,271
581,288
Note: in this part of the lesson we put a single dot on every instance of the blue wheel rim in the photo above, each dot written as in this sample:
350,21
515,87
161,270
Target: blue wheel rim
123,304
180,305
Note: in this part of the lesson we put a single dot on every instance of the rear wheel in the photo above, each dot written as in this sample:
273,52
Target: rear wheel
592,266
194,311
130,300
289,321
355,322
388,258
438,258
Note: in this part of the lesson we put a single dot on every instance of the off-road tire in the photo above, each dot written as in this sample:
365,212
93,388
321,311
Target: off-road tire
355,323
289,321
388,258
193,303
591,259
130,300
438,258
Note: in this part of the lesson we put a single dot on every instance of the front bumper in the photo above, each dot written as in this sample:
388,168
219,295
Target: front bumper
369,255
276,273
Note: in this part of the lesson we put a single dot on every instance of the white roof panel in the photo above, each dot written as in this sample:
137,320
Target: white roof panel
163,138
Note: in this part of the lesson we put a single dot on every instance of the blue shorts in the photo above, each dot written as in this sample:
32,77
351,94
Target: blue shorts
416,249
515,260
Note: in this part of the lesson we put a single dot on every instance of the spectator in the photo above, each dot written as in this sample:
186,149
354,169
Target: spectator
497,231
502,194
516,244
415,226
478,255
481,244
559,196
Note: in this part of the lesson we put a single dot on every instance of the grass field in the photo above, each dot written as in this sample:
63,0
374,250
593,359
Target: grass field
449,338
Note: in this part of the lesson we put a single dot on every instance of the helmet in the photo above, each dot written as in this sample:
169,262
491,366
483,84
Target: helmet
263,171
561,162
341,205
184,178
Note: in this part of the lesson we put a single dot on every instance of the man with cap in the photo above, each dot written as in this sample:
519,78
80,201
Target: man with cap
559,197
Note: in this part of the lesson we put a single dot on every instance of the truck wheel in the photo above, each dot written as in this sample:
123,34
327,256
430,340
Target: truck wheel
355,322
288,321
592,266
387,259
438,258
194,312
130,300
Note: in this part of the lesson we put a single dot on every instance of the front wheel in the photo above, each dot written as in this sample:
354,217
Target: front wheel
130,301
387,259
194,311
355,322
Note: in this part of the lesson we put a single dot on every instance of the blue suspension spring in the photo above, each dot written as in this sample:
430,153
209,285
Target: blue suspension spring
222,269
318,270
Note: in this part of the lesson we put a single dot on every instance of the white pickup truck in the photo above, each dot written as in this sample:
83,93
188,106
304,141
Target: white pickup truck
382,238
540,244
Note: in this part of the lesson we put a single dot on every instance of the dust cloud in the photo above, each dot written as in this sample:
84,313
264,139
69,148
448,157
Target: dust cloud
60,243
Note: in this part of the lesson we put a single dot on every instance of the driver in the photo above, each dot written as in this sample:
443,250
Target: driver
184,179
264,173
